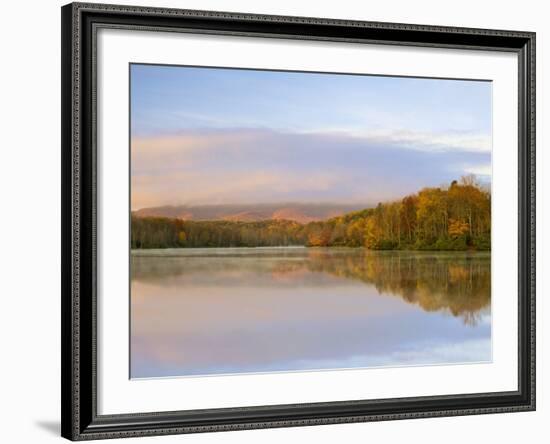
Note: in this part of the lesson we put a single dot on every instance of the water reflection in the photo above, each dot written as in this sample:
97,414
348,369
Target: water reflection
210,311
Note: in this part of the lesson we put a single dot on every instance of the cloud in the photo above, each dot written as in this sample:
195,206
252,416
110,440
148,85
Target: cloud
260,165
479,170
217,187
430,141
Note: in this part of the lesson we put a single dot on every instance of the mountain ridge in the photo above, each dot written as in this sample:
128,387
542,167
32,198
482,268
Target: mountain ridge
298,212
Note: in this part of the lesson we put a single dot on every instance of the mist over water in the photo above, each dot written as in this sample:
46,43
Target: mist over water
240,310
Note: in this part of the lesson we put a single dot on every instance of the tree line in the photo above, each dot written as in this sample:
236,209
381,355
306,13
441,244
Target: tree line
454,217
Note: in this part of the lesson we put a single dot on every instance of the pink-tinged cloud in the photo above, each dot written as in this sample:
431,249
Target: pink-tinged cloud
266,166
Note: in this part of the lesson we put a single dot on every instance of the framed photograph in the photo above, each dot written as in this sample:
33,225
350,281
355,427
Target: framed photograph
282,221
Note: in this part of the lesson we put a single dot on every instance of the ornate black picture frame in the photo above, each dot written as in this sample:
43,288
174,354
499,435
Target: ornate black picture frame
80,420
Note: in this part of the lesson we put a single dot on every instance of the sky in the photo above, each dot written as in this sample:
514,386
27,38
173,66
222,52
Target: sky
212,135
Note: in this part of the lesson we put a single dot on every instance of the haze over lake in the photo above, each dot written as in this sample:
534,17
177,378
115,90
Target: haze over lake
241,310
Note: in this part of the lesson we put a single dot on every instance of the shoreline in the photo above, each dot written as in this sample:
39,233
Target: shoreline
144,251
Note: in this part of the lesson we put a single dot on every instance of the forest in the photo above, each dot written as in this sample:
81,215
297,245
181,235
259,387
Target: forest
454,217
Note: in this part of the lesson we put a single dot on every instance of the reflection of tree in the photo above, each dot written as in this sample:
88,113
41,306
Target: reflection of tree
459,283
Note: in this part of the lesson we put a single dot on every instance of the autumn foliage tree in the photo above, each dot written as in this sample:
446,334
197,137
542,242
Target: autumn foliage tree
457,217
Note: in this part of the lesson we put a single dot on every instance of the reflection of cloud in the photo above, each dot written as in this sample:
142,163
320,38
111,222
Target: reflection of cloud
206,330
425,353
255,165
211,314
432,352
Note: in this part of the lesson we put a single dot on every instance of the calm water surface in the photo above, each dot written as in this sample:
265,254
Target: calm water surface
219,311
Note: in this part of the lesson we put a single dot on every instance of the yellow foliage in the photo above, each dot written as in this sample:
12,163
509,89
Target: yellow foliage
458,228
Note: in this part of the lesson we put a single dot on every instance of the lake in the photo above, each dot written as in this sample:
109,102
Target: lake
239,310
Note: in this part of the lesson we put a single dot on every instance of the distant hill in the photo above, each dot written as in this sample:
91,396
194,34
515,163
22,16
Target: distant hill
299,212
